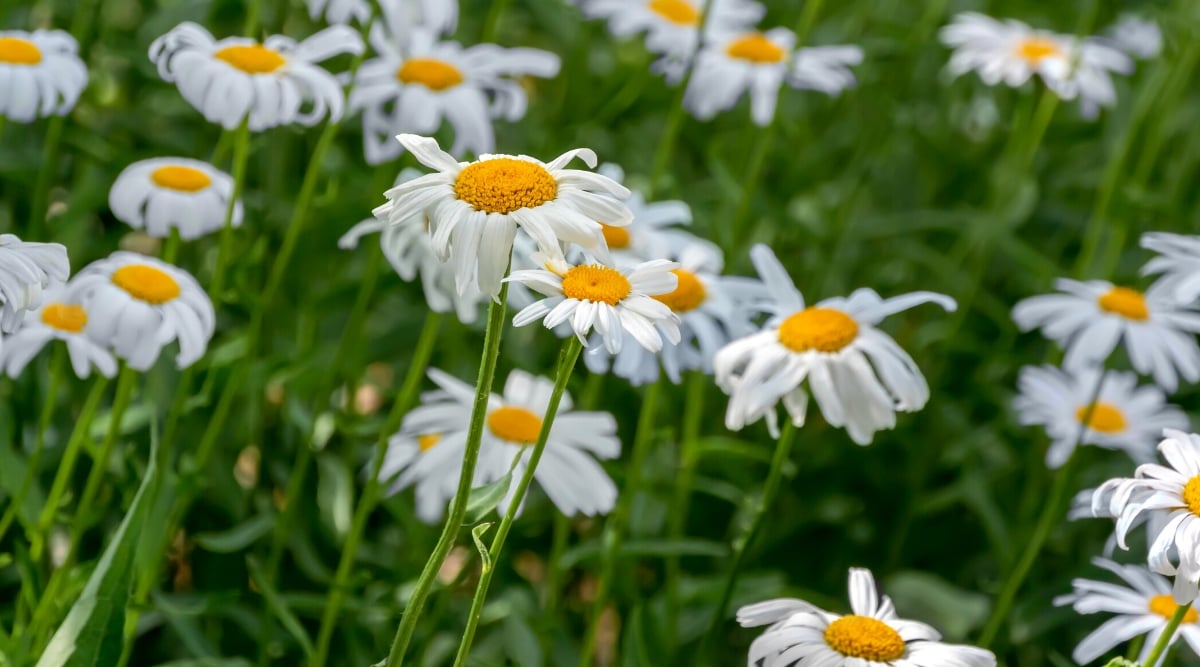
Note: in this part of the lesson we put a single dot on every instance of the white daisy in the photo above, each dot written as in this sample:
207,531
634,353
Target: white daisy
267,84
598,296
858,374
1177,264
408,248
759,63
40,74
416,84
1143,608
652,234
873,635
27,268
56,320
1173,492
475,208
340,12
1125,417
1141,38
1091,318
161,194
711,309
137,304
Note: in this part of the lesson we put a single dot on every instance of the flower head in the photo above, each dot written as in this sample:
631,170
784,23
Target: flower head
27,268
1141,38
161,194
1177,264
61,320
42,74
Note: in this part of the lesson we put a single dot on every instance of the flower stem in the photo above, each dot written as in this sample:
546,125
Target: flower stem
458,506
689,458
614,528
1159,650
566,364
241,155
49,399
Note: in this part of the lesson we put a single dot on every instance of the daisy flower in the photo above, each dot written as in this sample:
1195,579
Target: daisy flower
475,208
803,635
266,84
1177,264
1142,607
1172,491
137,304
652,234
1090,318
416,84
858,374
408,248
597,296
40,74
1125,416
758,64
1140,38
161,194
56,320
27,268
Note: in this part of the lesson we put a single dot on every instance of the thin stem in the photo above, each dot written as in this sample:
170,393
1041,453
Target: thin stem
1160,647
57,368
241,155
554,574
458,506
45,176
1052,513
492,22
371,491
689,458
566,365
614,528
126,382
253,9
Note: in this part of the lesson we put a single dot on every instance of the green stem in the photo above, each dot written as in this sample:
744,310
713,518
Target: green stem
492,22
689,459
1135,647
614,528
241,155
57,368
458,506
558,546
566,365
170,248
45,176
253,10
404,402
1160,647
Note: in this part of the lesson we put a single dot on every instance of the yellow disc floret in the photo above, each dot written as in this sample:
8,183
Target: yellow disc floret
514,424
756,48
432,73
251,58
504,185
1105,418
617,238
1164,605
427,441
1128,303
1191,495
181,178
65,317
679,12
592,282
865,638
1036,49
688,295
146,283
17,51
820,329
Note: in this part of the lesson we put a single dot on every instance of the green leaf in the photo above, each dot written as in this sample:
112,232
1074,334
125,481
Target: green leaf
652,548
278,607
237,538
955,611
335,493
484,499
92,635
477,535
208,662
521,643
12,476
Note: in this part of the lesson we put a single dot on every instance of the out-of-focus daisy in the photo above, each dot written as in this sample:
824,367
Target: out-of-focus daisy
711,309
1173,491
653,232
161,194
137,304
56,320
1089,319
612,301
475,208
26,269
407,247
873,635
1177,264
759,63
340,12
1138,37
1125,417
276,82
417,83
1143,607
858,374
40,74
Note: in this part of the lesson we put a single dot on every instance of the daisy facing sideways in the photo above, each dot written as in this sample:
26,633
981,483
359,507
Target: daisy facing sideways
161,194
1089,319
859,376
1125,416
276,82
42,74
1177,264
26,269
1142,605
873,635
475,208
56,320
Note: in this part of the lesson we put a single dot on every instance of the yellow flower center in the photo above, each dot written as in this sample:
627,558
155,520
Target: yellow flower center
678,12
514,424
1164,605
427,441
592,282
688,295
1191,495
756,48
617,238
65,317
430,72
17,51
504,185
147,283
821,329
251,58
1127,303
865,638
1105,418
1036,49
178,177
